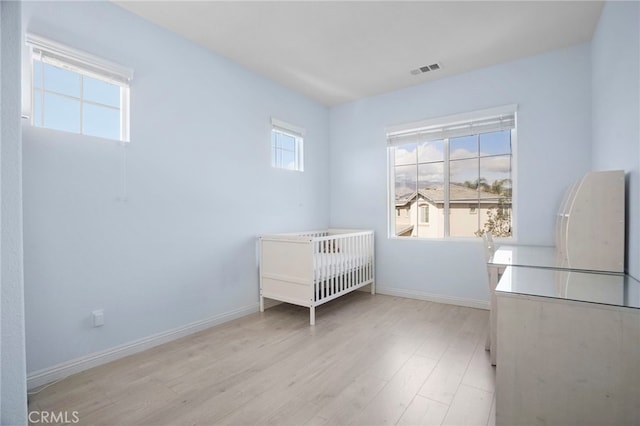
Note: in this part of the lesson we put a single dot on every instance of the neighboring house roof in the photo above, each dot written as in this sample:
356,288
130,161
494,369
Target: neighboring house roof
458,194
404,229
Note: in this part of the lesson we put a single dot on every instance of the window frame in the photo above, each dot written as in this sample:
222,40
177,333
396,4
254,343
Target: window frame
295,132
49,52
438,123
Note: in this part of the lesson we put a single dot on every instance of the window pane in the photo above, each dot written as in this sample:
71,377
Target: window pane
288,160
61,113
61,81
37,107
431,185
286,142
431,178
431,151
496,172
37,74
463,147
100,121
405,154
405,190
495,214
463,219
464,180
406,181
464,189
495,217
495,143
101,92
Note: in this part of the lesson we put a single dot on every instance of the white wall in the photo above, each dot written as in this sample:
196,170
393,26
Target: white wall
616,108
13,384
553,149
199,189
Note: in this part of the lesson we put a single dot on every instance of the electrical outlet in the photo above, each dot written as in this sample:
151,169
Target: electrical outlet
98,317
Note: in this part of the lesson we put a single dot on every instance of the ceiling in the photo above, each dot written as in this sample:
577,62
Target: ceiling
339,51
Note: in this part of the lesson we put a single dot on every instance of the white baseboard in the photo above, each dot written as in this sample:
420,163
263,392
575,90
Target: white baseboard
60,371
438,298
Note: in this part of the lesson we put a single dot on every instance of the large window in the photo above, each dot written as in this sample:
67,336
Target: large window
77,92
454,176
286,146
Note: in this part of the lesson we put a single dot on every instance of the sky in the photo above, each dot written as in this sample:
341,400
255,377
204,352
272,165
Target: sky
486,156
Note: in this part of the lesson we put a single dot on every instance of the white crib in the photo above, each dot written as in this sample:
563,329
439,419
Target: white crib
312,268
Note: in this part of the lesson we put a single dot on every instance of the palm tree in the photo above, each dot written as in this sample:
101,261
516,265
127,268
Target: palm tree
482,182
496,186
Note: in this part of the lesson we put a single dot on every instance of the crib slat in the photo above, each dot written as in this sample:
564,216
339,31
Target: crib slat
361,259
350,263
355,261
321,270
340,254
343,264
347,257
318,269
365,255
323,283
370,264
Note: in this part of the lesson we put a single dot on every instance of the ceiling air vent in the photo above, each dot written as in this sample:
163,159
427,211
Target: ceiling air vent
426,68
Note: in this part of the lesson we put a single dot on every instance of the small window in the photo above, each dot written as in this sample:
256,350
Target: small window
424,213
286,146
76,92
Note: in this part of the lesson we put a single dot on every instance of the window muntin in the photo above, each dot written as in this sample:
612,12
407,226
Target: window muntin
465,172
77,92
287,146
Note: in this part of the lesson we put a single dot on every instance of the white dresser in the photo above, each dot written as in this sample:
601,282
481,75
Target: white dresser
568,348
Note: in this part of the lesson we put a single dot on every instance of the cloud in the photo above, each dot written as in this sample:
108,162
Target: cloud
464,168
405,156
501,164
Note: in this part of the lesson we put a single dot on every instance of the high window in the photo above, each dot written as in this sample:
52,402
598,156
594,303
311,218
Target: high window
76,92
286,146
442,170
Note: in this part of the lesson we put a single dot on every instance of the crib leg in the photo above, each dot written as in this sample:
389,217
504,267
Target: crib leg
373,287
261,303
312,315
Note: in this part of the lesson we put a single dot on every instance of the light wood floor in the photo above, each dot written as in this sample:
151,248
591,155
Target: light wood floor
369,360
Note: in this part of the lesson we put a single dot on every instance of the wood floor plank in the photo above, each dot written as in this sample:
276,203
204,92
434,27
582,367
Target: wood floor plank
470,407
492,414
425,412
350,402
392,401
370,359
480,373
